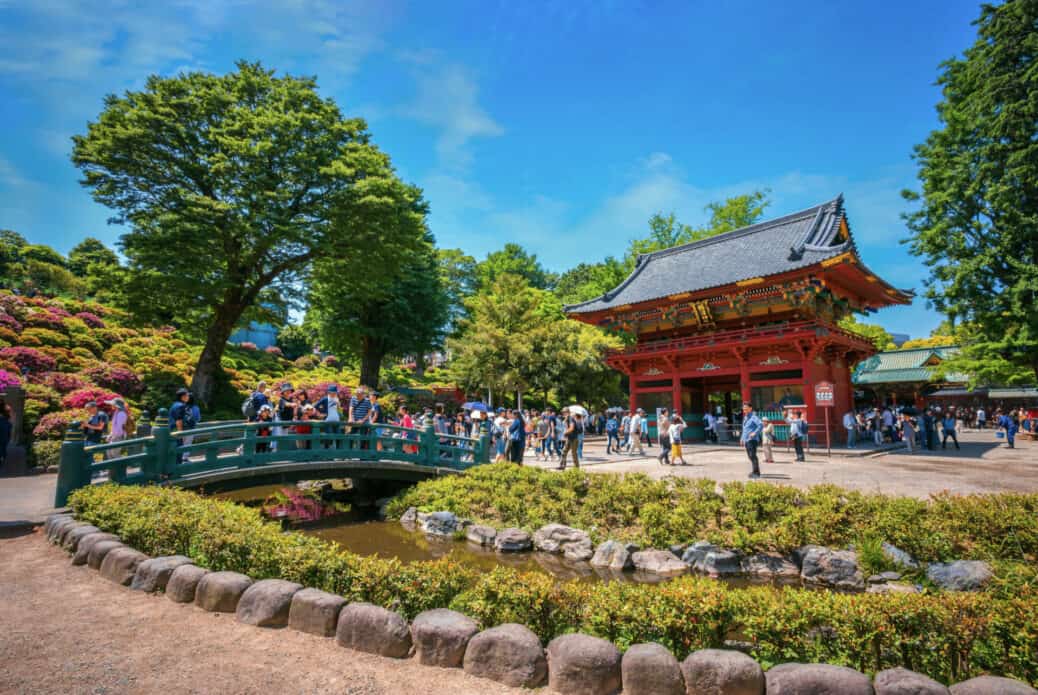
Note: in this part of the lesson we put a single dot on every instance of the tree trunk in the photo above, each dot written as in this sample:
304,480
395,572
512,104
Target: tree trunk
419,365
208,366
372,352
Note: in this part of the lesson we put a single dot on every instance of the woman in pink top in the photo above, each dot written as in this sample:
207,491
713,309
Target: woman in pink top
408,423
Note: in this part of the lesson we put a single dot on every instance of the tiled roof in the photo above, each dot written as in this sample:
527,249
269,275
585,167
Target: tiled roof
904,366
767,248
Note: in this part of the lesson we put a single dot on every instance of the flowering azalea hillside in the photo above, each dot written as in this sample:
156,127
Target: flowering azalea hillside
66,352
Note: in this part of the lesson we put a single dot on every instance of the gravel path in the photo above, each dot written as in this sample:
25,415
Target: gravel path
66,630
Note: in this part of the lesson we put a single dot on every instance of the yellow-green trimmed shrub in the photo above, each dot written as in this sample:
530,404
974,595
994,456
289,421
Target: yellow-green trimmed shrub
948,636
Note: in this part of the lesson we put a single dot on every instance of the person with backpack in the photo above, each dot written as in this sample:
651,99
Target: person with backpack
96,424
574,429
635,436
256,400
122,425
674,430
182,420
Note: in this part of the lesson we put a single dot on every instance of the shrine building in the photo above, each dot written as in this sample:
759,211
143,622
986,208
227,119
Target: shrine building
746,316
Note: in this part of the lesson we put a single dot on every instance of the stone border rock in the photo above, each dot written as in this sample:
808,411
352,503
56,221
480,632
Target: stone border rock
510,654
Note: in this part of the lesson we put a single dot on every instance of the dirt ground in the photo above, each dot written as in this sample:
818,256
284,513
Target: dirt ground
64,629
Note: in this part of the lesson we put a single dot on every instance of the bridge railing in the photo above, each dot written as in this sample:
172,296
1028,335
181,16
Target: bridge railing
169,456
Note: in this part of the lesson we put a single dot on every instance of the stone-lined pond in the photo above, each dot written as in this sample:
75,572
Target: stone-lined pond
360,533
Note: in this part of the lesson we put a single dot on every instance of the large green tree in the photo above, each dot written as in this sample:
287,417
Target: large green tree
232,186
402,311
517,339
513,259
976,225
872,332
458,274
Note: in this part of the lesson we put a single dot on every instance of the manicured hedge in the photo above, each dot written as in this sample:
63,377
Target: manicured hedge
752,516
948,636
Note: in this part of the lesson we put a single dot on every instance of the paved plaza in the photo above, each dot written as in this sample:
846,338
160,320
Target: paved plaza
984,464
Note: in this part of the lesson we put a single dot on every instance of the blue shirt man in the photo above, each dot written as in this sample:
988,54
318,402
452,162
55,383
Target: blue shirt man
752,428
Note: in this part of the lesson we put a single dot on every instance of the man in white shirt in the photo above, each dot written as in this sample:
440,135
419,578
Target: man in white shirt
710,427
636,432
982,418
850,423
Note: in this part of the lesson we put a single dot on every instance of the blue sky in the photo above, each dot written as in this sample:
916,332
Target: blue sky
560,125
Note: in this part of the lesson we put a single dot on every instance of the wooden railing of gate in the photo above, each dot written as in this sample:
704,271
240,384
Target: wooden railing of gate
169,456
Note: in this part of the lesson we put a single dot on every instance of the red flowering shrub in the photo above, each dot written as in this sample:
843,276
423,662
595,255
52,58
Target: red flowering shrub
273,350
43,319
52,426
13,305
29,358
92,320
320,390
8,380
330,361
64,359
79,398
247,345
118,378
10,322
61,382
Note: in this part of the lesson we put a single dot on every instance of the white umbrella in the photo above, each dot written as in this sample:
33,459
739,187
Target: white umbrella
578,409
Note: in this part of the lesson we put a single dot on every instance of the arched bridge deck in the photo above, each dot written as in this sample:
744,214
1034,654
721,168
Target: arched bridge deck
235,455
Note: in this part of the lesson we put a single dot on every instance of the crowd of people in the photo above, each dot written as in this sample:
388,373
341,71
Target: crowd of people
548,435
922,430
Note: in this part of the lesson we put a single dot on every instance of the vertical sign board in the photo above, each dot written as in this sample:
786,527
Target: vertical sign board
824,399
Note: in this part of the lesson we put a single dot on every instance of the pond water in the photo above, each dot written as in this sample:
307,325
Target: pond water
390,539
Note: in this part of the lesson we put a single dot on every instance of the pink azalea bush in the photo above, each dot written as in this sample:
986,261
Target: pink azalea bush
61,382
118,378
79,398
8,380
248,345
43,319
29,358
52,426
8,321
273,350
92,320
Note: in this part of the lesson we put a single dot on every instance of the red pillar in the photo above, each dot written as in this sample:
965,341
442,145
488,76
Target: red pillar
675,400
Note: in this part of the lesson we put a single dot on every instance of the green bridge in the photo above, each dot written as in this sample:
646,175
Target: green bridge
231,455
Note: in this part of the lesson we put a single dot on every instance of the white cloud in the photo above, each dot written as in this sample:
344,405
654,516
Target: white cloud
10,177
447,99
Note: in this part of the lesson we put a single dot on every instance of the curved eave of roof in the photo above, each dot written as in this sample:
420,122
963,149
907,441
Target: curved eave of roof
822,212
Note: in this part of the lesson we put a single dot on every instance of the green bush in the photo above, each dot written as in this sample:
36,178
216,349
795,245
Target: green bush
749,516
46,453
948,636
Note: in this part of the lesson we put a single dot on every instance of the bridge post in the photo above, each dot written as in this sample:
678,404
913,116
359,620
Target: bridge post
248,447
73,470
430,445
157,467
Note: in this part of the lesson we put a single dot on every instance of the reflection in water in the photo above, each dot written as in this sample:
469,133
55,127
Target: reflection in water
390,539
